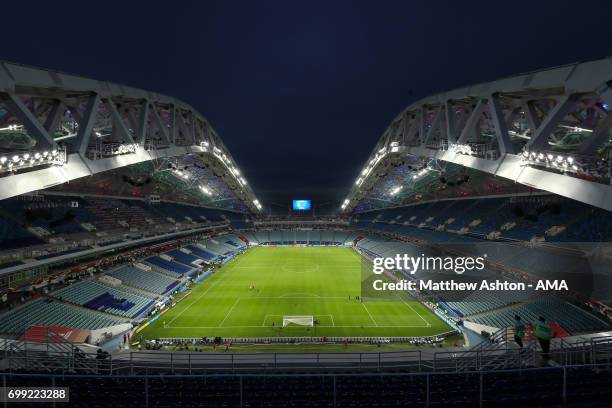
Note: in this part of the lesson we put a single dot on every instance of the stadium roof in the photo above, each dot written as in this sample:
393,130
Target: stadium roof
57,127
548,129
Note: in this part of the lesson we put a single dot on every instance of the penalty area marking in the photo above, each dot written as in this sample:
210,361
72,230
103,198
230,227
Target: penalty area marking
414,310
229,312
369,314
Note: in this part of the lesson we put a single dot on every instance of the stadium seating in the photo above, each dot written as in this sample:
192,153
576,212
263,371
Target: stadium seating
180,212
98,296
54,214
304,237
584,387
569,317
202,253
217,246
232,240
301,237
482,306
516,217
170,267
238,221
150,281
275,237
182,257
262,236
251,237
43,311
14,236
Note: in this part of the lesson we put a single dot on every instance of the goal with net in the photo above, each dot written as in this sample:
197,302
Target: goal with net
298,320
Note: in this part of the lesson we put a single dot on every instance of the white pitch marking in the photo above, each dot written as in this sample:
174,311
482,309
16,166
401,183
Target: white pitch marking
199,297
412,308
369,314
228,313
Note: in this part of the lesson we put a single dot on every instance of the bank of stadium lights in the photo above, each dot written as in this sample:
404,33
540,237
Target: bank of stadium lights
396,190
11,128
345,204
182,174
206,190
15,162
577,129
550,160
227,163
126,148
238,176
462,149
420,173
372,163
257,204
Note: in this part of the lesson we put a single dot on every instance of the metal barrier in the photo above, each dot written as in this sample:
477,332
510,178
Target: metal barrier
314,339
56,354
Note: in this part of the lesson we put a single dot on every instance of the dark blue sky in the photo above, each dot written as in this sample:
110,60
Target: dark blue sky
301,91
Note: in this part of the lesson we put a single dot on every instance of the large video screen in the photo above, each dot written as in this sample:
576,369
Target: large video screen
302,205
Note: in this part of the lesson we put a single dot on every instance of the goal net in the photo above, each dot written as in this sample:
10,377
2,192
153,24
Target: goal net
299,320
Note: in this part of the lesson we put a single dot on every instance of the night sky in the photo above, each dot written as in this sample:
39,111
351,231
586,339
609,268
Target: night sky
301,91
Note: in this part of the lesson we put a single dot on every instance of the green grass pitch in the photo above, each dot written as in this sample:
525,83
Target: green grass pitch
308,281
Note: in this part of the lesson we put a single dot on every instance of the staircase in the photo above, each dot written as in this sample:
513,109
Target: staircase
495,353
46,351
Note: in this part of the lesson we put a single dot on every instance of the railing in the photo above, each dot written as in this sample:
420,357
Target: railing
19,355
495,353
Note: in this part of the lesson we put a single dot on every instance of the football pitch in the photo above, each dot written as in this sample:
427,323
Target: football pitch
249,296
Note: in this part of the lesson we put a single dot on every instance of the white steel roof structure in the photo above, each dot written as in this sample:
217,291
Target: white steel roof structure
549,129
57,127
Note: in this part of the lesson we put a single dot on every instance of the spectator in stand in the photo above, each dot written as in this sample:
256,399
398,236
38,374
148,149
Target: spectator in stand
544,333
519,331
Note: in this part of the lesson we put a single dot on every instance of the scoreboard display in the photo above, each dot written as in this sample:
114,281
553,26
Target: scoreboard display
301,205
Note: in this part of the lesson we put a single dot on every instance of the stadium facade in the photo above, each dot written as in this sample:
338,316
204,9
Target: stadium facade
137,260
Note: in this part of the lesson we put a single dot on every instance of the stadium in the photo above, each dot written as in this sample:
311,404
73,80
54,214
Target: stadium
467,265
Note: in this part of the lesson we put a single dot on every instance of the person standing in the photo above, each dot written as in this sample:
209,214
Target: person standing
519,331
544,333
